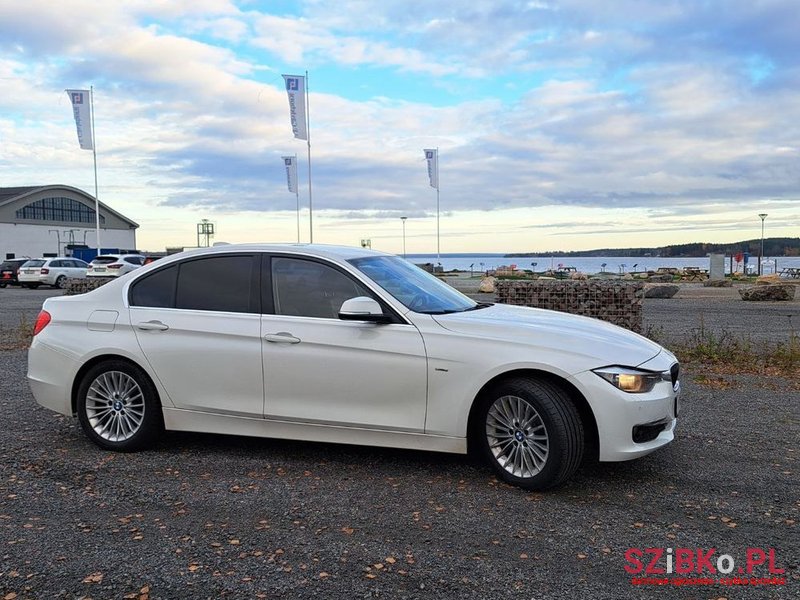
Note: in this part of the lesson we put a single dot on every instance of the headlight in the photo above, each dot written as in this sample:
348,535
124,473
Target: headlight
634,381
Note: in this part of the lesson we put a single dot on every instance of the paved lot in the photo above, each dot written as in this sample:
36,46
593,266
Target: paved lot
210,516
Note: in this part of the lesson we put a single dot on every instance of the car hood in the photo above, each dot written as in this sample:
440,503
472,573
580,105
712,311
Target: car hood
600,342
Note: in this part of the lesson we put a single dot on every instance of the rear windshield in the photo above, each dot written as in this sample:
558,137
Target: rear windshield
34,263
104,260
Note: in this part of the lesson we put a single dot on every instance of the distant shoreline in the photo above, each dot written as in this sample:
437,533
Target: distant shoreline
773,247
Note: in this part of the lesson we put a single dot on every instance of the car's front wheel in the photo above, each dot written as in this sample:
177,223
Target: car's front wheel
118,406
530,433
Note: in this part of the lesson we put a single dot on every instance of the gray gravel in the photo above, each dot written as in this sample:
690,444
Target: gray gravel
721,311
209,516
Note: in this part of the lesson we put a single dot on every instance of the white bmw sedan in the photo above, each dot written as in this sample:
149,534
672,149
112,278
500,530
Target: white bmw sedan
346,345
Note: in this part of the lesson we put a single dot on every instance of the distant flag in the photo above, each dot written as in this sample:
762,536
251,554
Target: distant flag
296,89
290,162
432,156
83,120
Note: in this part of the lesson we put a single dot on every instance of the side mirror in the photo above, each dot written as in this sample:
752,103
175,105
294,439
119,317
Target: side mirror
363,309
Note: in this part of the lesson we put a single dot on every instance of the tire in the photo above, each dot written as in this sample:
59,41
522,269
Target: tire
530,433
2,285
128,421
61,282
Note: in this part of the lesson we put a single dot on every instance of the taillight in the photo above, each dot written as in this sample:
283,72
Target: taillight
45,271
41,322
114,266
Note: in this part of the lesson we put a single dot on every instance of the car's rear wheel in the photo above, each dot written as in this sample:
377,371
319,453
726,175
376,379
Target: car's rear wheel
118,406
2,285
530,433
61,282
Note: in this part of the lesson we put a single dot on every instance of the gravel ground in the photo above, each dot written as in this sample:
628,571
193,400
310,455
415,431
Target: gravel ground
208,516
721,311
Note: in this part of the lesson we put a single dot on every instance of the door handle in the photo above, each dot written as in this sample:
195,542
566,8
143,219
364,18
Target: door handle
152,326
282,337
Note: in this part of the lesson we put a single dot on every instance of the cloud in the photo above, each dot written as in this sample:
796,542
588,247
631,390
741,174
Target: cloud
680,109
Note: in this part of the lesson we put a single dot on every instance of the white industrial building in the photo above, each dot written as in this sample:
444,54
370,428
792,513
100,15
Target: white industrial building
42,220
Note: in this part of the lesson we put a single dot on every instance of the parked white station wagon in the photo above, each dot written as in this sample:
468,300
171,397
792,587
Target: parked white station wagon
51,271
348,345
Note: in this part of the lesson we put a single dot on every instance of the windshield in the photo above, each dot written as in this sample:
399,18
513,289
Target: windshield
34,263
414,288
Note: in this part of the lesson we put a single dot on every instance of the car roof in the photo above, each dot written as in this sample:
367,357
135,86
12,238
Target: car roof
318,250
49,258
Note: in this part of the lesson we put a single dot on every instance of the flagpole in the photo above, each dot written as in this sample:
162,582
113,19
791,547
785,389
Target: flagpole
297,197
308,139
438,249
96,195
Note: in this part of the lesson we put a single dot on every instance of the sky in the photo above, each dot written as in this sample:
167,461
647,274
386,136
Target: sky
562,125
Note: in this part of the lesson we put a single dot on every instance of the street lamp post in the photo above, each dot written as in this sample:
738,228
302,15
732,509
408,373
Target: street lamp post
403,219
761,252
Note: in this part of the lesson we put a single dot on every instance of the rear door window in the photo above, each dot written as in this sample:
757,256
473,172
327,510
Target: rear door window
219,283
156,290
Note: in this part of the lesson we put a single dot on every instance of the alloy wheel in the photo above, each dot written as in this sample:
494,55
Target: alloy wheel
115,406
517,436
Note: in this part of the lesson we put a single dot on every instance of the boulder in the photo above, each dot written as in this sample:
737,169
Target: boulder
768,279
578,276
660,290
660,278
487,285
775,292
717,283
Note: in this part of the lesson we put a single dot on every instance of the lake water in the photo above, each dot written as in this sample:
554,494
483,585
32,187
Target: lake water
613,264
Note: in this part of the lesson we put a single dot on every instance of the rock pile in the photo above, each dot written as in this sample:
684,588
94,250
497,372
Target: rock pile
718,283
661,290
81,286
775,292
617,302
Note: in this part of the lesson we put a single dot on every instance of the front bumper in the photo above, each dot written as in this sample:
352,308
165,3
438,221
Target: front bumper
622,416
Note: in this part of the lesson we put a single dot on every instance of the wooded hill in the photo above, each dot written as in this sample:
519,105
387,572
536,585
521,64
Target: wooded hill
772,247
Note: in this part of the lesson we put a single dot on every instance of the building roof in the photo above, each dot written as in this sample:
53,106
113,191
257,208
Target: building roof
12,194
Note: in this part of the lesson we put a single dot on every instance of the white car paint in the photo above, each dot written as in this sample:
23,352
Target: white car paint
409,384
114,265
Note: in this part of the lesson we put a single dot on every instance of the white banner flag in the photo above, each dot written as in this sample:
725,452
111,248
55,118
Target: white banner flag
432,156
290,162
296,89
83,118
